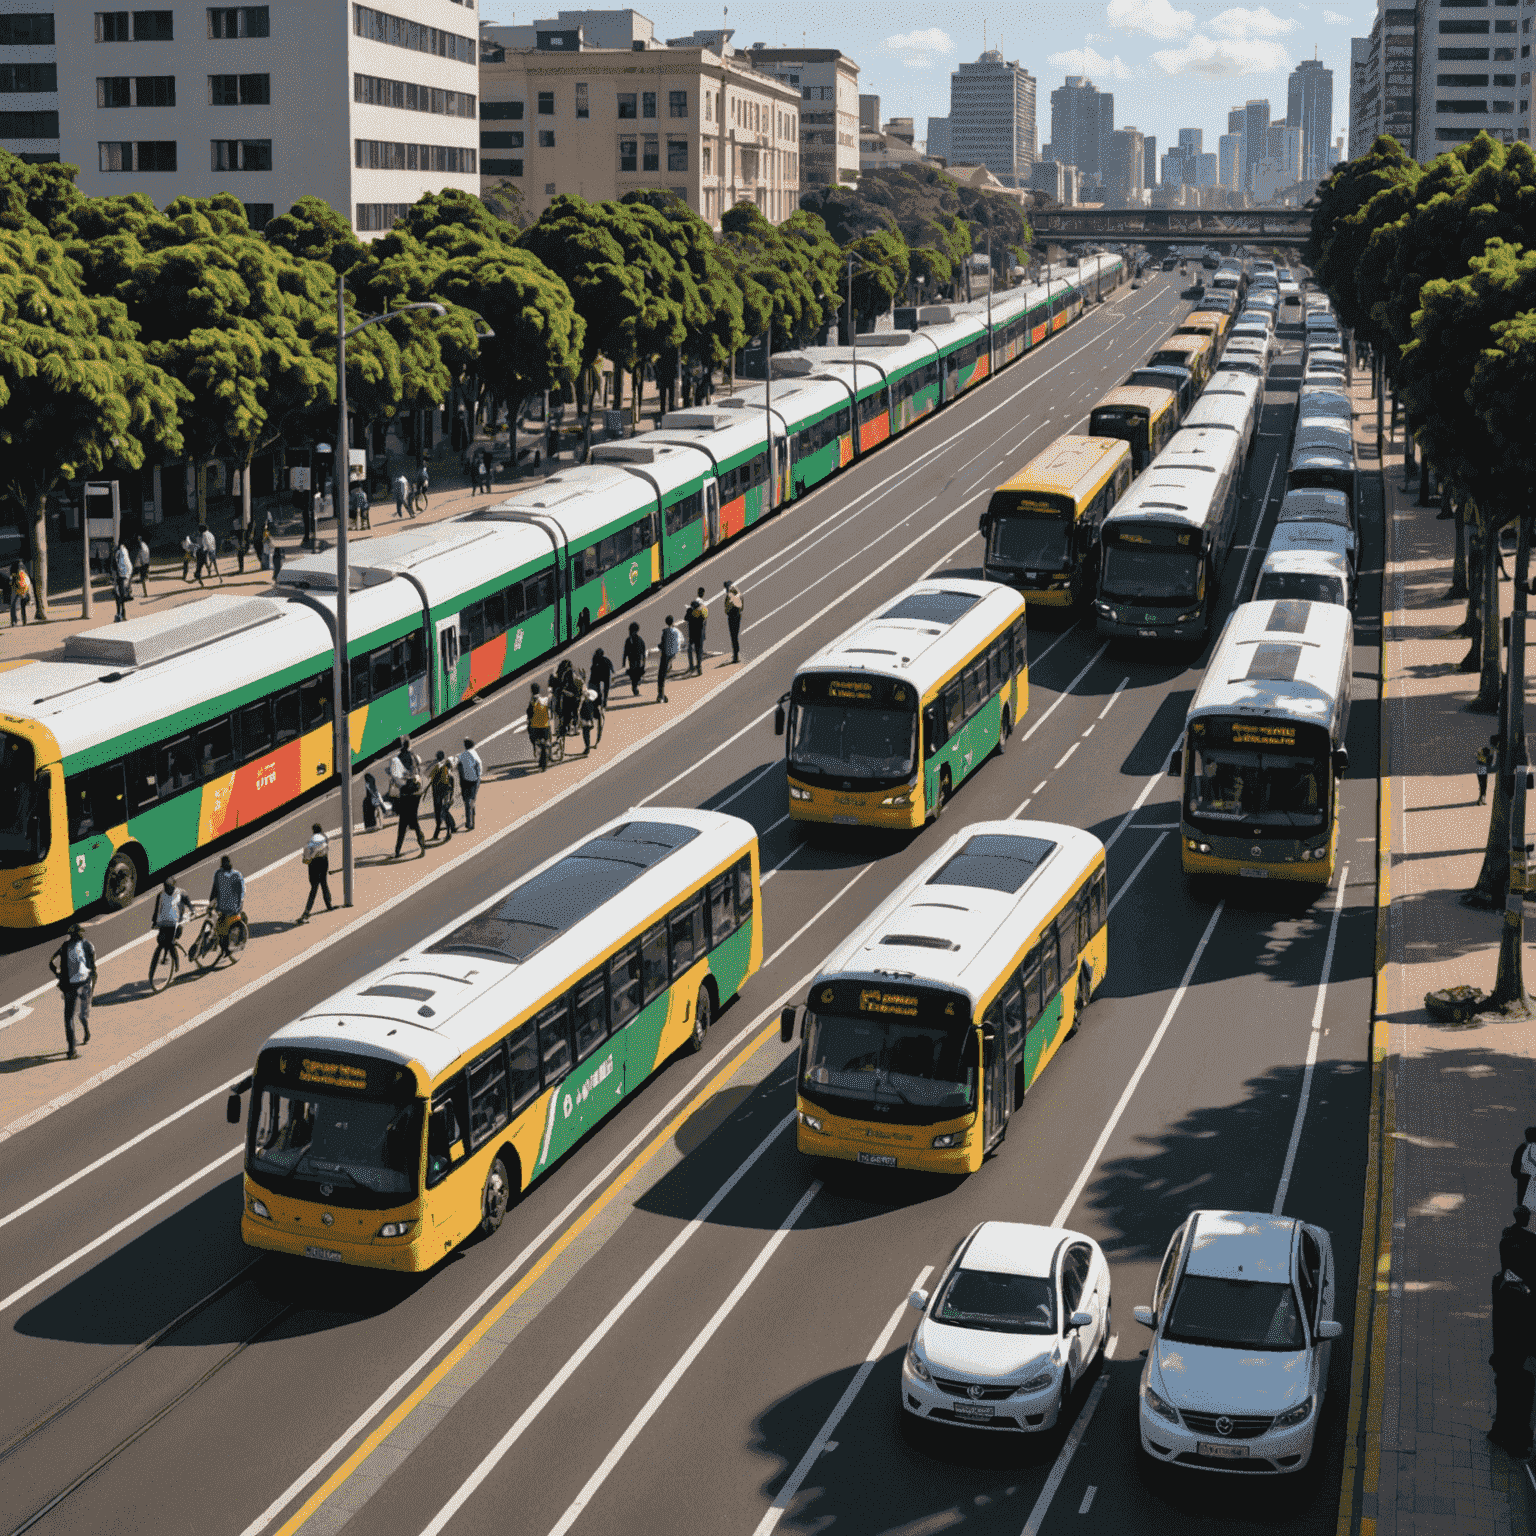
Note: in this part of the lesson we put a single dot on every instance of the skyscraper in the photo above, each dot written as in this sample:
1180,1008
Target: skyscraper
992,117
1077,123
1309,106
1191,140
1232,165
1149,161
1124,165
1255,135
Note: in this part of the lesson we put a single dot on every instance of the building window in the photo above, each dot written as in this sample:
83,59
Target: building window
141,156
114,90
258,215
546,103
629,104
28,77
239,21
648,104
651,155
382,155
239,90
501,167
708,158
1502,106
28,29
546,138
677,103
502,111
136,90
152,27
1503,80
112,27
628,155
29,125
377,216
583,105
1462,107
371,91
677,154
1462,55
241,154
1448,27
549,189
501,141
381,27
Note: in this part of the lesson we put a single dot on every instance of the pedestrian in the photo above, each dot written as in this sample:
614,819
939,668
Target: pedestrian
1523,1164
667,647
471,771
227,898
21,593
733,606
485,472
242,548
373,804
358,507
590,713
570,689
402,494
634,659
419,489
142,564
441,779
538,717
74,964
187,554
277,561
211,552
1511,1319
1517,1246
697,615
600,675
1484,763
317,859
122,581
405,780
264,549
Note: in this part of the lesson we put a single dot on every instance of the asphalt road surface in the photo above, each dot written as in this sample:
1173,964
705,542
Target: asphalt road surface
688,1327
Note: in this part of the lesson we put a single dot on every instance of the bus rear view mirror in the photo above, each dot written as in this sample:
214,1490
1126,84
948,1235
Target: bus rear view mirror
787,1025
1341,761
981,525
232,1104
1176,763
779,716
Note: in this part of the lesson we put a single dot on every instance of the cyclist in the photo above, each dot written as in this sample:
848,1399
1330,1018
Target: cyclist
227,898
538,725
172,905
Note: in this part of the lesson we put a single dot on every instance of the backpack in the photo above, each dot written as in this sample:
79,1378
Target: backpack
538,714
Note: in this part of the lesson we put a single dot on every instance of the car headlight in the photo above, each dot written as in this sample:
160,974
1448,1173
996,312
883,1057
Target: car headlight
796,793
953,1139
395,1228
915,1364
1293,1416
812,1122
258,1208
1158,1405
1036,1383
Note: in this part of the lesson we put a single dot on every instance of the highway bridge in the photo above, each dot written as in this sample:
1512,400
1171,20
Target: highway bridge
1155,227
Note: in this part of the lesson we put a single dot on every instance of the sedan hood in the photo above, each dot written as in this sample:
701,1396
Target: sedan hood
973,1352
1213,1380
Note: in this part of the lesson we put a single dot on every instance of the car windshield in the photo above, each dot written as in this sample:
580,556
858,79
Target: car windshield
1235,1314
982,1298
1283,789
887,1062
324,1139
1309,587
1037,542
853,740
1152,575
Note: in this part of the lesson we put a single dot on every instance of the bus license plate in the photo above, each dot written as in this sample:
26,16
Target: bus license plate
878,1159
1147,634
1223,1450
974,1410
330,1255
845,821
1249,872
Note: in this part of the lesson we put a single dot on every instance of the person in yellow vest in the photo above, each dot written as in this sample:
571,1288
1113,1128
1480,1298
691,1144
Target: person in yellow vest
538,726
21,592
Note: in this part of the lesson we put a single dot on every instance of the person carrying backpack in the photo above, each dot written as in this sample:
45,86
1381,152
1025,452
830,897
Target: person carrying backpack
74,964
122,581
405,776
441,779
590,714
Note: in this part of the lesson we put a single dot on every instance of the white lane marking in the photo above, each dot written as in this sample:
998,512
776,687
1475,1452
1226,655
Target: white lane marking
1089,731
1312,1043
1087,1503
774,828
768,874
1065,755
122,1226
1146,859
824,1441
1023,808
1060,1218
765,769
1141,799
1069,1448
1038,787
1253,538
811,921
1124,683
1066,692
494,1456
678,1371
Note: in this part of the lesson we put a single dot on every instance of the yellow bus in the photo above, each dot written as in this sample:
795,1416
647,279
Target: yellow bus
1144,416
1042,526
885,722
409,1110
1207,322
1195,353
925,1029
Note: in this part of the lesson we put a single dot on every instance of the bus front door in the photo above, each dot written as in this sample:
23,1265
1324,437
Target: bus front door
995,1087
449,691
712,512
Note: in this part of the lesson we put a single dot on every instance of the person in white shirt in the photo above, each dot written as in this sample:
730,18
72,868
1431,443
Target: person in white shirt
171,906
317,857
122,581
210,546
471,771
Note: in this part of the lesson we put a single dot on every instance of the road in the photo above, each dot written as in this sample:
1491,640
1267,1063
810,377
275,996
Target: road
687,1326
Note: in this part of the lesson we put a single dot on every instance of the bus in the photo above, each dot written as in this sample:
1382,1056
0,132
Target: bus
1146,417
1166,541
1214,323
406,1112
1263,749
1196,353
884,724
1042,526
925,1029
1234,402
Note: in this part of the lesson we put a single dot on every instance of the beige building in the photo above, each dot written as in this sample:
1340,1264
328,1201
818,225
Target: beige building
827,83
558,115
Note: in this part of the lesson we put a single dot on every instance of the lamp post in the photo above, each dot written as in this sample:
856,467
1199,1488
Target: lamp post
342,481
853,340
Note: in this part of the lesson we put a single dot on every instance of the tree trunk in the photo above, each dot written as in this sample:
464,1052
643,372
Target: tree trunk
245,497
1509,991
202,492
1408,462
1487,700
40,555
1459,566
1423,481
1493,877
636,392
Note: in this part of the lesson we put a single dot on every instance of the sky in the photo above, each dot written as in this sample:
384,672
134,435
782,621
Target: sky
1169,67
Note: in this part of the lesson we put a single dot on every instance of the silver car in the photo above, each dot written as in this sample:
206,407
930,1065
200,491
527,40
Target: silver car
1242,1325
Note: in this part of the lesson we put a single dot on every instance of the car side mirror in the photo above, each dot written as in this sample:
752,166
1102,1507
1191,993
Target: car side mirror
778,721
1330,1330
1082,1319
918,1301
1341,761
1176,763
787,1024
1145,1316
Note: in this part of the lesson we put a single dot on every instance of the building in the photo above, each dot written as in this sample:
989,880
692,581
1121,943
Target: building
1309,107
891,145
1480,77
692,117
1057,181
1255,131
1149,160
992,117
1362,109
937,142
869,114
827,83
1206,171
1232,163
1173,167
368,109
1124,183
1082,117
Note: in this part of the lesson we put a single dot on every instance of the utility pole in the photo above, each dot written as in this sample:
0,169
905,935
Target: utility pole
768,402
1509,992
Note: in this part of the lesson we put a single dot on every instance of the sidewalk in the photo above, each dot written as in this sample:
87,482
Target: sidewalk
1449,1103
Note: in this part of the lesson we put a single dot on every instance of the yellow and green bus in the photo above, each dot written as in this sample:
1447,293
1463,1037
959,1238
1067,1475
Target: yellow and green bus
1042,526
926,1028
1196,353
884,724
1146,417
409,1110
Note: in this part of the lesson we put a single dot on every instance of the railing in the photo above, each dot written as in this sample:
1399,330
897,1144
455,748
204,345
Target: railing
1167,226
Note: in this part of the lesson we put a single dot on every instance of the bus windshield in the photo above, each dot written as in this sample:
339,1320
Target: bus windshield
884,1061
1152,565
853,728
321,1138
22,807
1114,421
1280,789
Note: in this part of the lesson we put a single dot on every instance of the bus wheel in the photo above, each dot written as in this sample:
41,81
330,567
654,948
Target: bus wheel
1004,731
496,1197
1080,1003
703,1012
122,882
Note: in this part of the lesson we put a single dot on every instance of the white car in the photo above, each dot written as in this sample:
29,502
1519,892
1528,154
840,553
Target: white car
1018,1315
1242,1324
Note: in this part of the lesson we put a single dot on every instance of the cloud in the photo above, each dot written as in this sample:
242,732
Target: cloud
1150,18
917,62
1222,59
1334,19
919,48
1088,61
1242,23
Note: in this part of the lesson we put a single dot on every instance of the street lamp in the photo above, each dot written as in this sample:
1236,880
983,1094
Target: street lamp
853,341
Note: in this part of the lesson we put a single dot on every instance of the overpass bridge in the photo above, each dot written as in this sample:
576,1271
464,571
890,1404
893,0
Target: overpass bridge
1222,228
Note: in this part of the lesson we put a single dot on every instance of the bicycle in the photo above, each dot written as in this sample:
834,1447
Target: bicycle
548,748
165,963
206,949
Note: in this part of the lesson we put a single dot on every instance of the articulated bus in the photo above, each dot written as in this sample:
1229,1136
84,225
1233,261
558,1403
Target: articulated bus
1264,745
1165,542
1143,416
885,722
400,1116
1042,526
925,1029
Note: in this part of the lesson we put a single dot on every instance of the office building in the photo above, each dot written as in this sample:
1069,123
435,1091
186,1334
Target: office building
1362,106
1280,166
1149,160
1480,77
937,142
368,109
1082,117
827,83
992,117
869,114
1191,140
692,116
1124,180
1056,180
1309,107
1232,163
1255,131
1173,167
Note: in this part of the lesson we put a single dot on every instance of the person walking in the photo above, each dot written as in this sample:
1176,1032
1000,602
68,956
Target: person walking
141,565
471,771
317,859
227,898
733,606
538,716
1522,1166
590,713
697,616
1517,1246
122,581
405,780
277,561
419,489
667,647
634,658
21,593
211,552
600,675
373,804
1511,1319
187,554
74,966
358,508
1484,763
402,494
441,779
264,549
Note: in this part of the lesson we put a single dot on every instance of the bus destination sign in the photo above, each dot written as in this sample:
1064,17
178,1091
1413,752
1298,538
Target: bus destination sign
1263,733
918,1004
335,1073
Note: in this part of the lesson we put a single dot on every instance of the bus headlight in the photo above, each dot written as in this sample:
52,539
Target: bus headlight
812,1122
904,798
796,793
953,1139
1187,618
257,1208
395,1228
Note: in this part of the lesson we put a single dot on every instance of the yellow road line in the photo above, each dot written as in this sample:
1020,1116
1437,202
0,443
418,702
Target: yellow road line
429,1383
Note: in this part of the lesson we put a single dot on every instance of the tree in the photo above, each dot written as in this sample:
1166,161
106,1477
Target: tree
880,273
313,231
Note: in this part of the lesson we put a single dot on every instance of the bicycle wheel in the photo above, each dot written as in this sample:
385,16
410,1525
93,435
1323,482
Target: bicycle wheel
204,949
238,935
557,747
162,969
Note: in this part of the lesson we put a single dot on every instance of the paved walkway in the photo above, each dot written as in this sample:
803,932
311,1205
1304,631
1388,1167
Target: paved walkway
1450,1103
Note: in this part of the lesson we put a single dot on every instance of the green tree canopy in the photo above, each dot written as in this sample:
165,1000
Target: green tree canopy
313,231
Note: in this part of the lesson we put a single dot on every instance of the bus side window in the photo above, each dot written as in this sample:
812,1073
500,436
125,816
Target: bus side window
722,908
488,1106
216,748
256,726
935,728
143,779
591,1013
975,678
1020,645
315,697
624,985
285,710
686,926
1013,1015
1029,985
180,764
954,705
554,1026
653,961
446,1145
1050,969
523,1063
744,888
